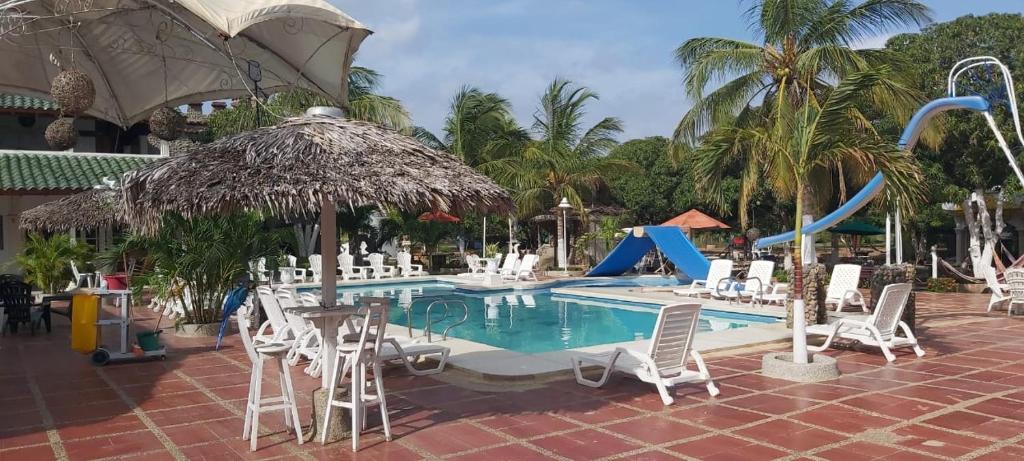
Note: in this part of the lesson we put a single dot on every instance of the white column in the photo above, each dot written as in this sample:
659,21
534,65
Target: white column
899,236
935,263
483,249
888,239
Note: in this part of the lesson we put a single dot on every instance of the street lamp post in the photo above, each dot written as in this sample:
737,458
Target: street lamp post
563,239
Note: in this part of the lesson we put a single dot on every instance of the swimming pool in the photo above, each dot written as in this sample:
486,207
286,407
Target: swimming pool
533,321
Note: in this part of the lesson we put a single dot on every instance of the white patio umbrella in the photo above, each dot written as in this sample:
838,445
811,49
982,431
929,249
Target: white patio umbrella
147,54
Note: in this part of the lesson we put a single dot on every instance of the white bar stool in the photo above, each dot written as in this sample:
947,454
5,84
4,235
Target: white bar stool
357,357
256,404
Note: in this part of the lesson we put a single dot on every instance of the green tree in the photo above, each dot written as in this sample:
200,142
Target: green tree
566,158
196,261
802,47
364,104
47,260
799,140
658,189
969,155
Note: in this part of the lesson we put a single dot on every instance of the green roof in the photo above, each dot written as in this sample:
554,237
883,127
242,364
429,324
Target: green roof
41,171
10,101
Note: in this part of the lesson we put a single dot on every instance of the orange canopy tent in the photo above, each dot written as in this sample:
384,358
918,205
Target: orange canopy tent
695,220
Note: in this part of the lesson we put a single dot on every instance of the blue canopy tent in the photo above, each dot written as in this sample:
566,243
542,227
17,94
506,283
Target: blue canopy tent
672,242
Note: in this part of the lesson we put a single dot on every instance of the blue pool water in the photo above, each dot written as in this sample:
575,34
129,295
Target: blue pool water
534,321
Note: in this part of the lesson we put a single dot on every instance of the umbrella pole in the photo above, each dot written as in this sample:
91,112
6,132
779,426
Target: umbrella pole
483,251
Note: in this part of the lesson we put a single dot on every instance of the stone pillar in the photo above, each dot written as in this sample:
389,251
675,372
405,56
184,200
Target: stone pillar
815,287
961,242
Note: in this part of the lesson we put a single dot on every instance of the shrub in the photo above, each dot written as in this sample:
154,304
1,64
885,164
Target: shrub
942,285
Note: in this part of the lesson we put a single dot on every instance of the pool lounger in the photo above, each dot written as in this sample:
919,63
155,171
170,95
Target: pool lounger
410,352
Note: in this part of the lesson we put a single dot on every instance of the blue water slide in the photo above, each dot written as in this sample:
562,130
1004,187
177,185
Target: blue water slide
672,242
908,140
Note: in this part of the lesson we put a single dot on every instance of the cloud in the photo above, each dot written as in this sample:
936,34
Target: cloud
877,41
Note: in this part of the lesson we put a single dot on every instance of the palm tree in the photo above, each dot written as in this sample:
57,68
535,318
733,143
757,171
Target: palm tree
479,128
364,104
803,47
566,159
799,140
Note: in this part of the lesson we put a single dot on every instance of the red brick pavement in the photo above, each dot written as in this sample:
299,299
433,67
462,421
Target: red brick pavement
960,401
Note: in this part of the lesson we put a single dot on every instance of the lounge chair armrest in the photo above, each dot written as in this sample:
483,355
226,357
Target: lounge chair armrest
261,331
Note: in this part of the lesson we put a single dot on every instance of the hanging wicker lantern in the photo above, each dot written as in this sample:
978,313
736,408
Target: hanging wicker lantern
61,134
74,91
166,123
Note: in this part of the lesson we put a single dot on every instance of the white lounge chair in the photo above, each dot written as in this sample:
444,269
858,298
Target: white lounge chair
377,268
999,290
778,294
718,275
877,329
408,352
1015,279
405,266
350,271
842,288
664,363
316,267
525,270
755,285
509,264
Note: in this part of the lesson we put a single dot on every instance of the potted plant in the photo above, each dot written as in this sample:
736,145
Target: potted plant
285,269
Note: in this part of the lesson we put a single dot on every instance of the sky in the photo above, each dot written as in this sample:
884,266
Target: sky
623,50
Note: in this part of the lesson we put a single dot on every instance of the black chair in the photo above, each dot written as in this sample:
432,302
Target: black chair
16,298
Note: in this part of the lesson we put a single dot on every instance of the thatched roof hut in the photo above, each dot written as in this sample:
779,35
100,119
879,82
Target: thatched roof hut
85,210
291,168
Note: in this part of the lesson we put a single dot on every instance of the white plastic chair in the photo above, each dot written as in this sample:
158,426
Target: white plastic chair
276,320
842,288
878,329
307,337
259,355
405,266
259,270
525,271
377,268
756,284
664,363
352,362
348,270
80,277
718,275
300,273
778,294
1015,279
316,267
999,290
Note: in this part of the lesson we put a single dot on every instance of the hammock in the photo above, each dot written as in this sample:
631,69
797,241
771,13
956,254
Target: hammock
960,275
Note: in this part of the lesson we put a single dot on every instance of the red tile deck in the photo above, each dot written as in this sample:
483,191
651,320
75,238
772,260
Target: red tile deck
961,401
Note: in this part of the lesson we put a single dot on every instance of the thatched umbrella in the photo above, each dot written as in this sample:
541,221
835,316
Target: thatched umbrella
91,209
307,165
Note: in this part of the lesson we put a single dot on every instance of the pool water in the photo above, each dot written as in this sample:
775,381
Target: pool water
530,322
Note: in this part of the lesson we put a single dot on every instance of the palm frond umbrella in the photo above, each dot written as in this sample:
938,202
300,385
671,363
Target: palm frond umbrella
308,165
94,208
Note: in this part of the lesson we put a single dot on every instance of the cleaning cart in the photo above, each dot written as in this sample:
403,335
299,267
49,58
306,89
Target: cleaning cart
148,342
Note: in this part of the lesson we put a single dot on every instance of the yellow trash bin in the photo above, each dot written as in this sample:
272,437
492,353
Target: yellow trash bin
85,311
